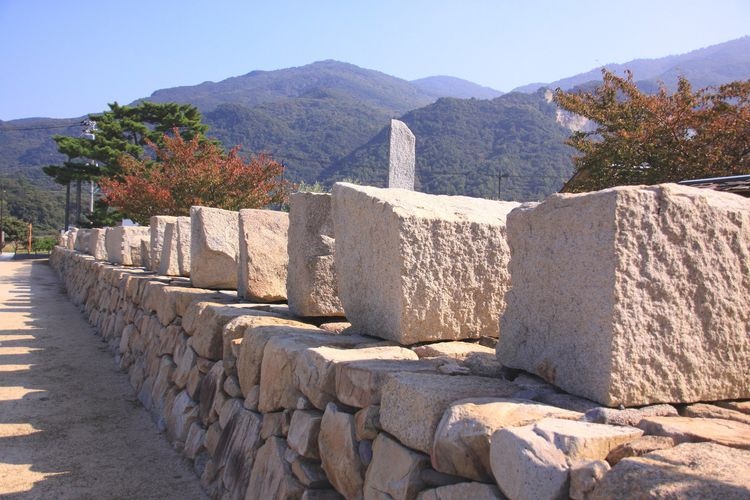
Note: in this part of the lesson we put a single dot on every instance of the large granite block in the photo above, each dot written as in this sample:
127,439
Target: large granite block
413,267
182,226
311,278
632,295
262,251
82,240
168,262
157,225
123,244
97,246
214,242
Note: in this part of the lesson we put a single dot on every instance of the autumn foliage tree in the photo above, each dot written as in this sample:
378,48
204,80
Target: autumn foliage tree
666,137
193,172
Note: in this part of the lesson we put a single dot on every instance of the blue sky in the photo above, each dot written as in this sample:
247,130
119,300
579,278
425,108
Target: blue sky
67,58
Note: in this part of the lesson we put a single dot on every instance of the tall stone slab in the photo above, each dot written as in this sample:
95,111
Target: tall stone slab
263,258
413,267
158,224
123,244
168,261
82,240
311,278
401,156
97,246
632,295
214,253
182,226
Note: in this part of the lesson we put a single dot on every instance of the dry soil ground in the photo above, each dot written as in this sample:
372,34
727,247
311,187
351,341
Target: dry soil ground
70,424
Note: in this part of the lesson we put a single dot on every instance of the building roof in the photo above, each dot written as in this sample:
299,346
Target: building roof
738,184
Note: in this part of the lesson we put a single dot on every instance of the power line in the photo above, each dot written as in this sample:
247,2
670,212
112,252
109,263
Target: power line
50,127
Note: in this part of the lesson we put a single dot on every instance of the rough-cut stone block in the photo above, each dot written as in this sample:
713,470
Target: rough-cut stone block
638,447
272,476
402,157
413,267
584,440
360,383
413,403
701,410
628,416
168,265
303,433
262,255
157,227
316,368
462,491
584,476
97,243
235,451
182,226
311,277
214,248
700,470
395,471
82,240
123,244
462,440
338,452
686,430
630,295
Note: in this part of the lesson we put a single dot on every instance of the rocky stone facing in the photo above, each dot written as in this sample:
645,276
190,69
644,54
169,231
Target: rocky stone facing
182,225
157,227
123,244
168,262
413,267
630,295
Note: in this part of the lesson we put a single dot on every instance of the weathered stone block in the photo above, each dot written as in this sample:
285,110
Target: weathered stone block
630,295
413,403
338,452
97,245
262,255
311,278
168,265
685,430
395,471
462,491
182,226
303,433
82,240
272,476
413,267
123,244
214,248
157,227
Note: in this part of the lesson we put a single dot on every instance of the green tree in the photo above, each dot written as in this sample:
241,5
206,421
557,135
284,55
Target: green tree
16,231
647,139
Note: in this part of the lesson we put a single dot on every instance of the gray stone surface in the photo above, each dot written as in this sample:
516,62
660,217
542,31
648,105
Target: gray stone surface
311,278
123,244
214,248
395,471
157,225
262,255
602,282
183,245
401,156
97,243
413,267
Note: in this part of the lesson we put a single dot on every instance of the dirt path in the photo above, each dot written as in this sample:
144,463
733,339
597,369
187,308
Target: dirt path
70,424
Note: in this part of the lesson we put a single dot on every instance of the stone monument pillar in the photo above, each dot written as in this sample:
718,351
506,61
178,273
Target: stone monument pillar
401,157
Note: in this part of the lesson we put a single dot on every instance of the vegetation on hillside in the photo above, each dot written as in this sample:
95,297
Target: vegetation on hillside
24,200
664,137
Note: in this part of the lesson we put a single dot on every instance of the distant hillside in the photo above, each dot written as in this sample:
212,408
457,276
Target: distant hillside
449,86
462,146
371,88
712,65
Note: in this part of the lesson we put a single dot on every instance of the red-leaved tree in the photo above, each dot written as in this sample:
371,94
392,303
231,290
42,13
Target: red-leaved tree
193,172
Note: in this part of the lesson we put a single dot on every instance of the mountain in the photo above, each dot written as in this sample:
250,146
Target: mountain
463,145
449,86
371,88
714,65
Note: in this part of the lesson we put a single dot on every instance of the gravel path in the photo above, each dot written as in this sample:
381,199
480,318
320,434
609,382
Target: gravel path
70,424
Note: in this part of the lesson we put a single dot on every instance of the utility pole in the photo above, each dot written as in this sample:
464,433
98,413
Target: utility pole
89,132
500,177
2,228
30,235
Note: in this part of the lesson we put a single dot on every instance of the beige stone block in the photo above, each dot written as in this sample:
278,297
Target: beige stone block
690,470
272,476
741,406
97,243
412,404
360,383
168,264
157,227
303,432
629,295
311,279
692,430
413,267
214,248
262,255
123,244
584,440
462,439
316,368
367,423
462,491
395,471
339,454
629,416
182,227
280,376
455,350
238,443
701,410
639,447
584,476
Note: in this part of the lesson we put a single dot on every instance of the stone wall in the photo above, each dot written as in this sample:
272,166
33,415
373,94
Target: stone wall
267,404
